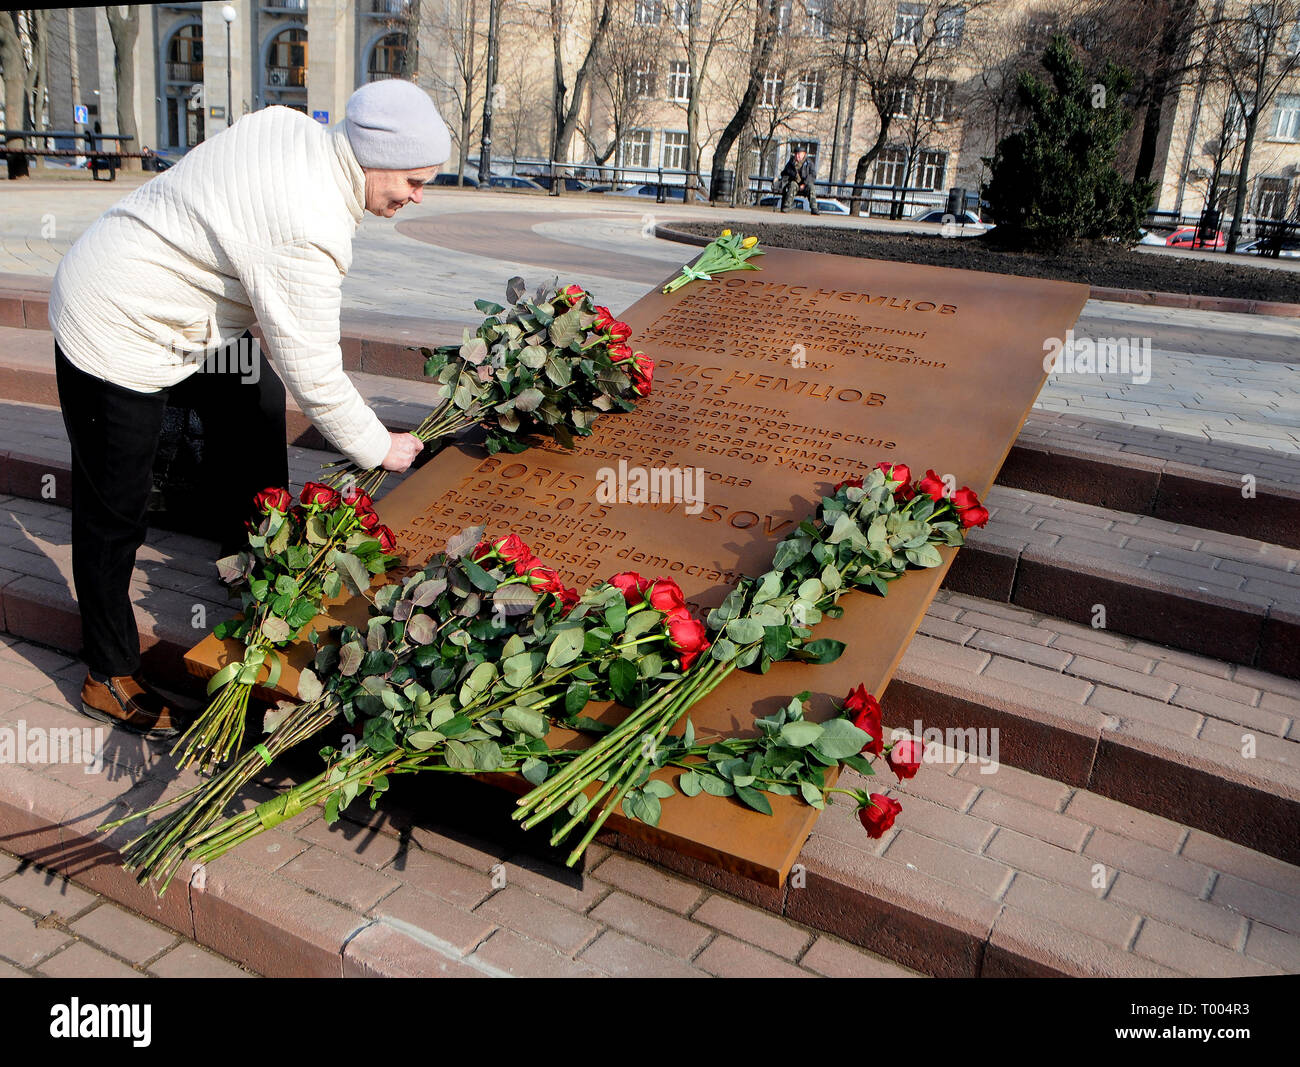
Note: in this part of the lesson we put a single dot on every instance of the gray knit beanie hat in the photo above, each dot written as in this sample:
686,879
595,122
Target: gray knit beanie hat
393,125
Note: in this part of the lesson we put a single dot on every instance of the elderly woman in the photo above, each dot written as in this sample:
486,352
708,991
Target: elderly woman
253,225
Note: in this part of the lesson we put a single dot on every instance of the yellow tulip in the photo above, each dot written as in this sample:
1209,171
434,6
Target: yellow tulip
726,233
749,242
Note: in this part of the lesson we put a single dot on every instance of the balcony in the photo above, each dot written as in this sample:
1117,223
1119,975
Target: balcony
185,72
285,7
286,77
392,9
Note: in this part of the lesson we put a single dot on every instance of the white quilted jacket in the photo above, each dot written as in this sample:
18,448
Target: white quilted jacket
253,225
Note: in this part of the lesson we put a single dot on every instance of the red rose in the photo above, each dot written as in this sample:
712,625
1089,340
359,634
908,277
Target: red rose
631,585
386,538
619,331
574,293
932,485
509,548
619,353
273,499
865,711
567,597
687,636
360,501
368,520
965,498
896,472
851,483
643,374
878,816
316,493
666,595
905,757
530,565
976,516
604,317
541,577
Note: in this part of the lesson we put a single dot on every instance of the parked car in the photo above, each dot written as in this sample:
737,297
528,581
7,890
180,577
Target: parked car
824,204
570,183
1261,247
452,179
1186,238
965,218
1149,238
513,181
651,190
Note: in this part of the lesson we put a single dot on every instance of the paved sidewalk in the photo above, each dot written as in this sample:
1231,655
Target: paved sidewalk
1226,378
53,928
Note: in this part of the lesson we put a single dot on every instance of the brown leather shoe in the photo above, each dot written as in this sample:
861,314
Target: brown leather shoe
126,701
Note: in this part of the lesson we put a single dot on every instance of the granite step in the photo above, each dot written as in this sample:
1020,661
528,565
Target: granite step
1212,744
1216,594
1160,729
1007,874
1124,466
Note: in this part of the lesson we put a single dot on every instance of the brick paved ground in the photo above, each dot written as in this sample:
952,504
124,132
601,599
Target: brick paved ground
52,928
1044,871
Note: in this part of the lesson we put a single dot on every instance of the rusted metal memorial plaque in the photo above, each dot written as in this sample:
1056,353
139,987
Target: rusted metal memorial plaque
769,387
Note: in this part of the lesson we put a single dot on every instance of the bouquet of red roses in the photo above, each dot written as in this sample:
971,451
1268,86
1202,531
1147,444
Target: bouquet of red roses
549,364
298,555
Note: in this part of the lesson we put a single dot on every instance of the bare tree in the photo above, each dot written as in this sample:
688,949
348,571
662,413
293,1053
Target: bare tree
124,27
624,78
457,31
13,33
765,23
789,93
1248,50
566,104
899,41
700,31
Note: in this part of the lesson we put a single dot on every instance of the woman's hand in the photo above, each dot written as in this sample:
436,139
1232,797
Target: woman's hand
402,450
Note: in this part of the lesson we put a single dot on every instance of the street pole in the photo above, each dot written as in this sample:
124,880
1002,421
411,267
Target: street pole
229,14
485,145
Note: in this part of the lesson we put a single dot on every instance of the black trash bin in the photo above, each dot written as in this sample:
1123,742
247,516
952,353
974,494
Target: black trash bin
726,185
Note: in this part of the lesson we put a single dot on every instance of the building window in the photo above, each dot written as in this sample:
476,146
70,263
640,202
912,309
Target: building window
783,16
634,149
683,10
809,91
679,80
1272,198
936,99
185,55
931,168
902,98
673,154
763,158
773,90
286,63
646,13
907,23
891,167
1224,192
388,58
1286,118
815,23
949,25
643,80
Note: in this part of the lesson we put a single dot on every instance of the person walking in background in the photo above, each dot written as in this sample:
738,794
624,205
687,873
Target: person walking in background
797,179
254,225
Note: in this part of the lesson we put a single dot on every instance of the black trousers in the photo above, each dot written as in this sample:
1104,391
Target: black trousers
114,434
